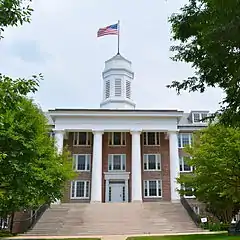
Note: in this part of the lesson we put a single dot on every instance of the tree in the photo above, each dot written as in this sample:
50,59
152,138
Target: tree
215,153
208,32
31,170
14,12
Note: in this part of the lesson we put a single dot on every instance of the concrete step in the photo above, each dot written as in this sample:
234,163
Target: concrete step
114,219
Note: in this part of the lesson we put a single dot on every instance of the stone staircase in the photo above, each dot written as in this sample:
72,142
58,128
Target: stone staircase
114,219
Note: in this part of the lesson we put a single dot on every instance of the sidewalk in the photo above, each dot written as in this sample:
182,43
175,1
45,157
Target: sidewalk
110,237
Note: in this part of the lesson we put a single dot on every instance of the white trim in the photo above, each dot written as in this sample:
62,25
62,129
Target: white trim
116,175
88,138
111,137
85,189
111,160
157,137
190,135
181,161
87,158
156,180
116,113
157,160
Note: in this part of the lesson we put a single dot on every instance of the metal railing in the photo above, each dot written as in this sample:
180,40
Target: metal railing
196,218
28,223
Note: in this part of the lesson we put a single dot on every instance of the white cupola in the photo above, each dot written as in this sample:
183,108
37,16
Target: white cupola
117,84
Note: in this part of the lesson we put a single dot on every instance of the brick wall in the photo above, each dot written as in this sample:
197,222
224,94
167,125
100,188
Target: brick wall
116,150
164,174
80,175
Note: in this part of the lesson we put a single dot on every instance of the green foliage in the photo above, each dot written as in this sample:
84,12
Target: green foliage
14,13
215,153
31,170
208,32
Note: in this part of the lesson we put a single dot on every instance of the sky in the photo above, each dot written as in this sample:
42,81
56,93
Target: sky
61,43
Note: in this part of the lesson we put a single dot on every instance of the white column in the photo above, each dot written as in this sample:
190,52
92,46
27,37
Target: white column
59,136
174,166
136,167
96,185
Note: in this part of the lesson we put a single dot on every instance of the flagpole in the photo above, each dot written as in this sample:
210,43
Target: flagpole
118,37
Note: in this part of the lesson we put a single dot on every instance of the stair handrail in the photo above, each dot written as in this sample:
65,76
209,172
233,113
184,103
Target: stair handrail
29,222
196,218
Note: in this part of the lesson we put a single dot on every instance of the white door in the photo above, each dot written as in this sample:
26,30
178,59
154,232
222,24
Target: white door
117,191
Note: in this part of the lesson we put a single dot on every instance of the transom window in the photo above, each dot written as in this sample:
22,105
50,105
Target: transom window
184,167
117,162
184,139
152,188
117,138
82,138
152,162
80,189
198,117
151,138
81,162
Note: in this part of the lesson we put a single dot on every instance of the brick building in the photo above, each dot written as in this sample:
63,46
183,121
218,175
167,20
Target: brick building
124,154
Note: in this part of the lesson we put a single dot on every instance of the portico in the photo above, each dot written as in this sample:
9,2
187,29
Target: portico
121,184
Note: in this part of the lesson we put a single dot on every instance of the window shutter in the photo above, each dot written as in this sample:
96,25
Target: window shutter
110,162
159,163
124,162
74,161
145,161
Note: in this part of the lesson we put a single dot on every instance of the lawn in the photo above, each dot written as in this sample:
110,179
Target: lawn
189,237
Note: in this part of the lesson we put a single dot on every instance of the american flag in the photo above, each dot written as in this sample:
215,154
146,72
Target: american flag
109,30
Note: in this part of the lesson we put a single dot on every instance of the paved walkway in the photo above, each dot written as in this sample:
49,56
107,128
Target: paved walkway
110,237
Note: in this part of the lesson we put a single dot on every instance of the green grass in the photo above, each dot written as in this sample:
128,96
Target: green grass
189,237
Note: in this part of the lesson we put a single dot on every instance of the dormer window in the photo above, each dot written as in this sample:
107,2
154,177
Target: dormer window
198,117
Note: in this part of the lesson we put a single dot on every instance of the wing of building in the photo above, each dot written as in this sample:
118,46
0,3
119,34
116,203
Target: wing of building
124,154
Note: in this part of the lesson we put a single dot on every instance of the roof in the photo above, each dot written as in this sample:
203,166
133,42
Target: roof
113,110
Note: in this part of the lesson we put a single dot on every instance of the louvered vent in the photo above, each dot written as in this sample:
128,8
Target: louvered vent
118,87
128,89
107,89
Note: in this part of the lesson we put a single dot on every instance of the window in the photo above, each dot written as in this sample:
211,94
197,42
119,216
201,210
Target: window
80,189
128,89
117,138
81,162
198,117
184,139
82,138
151,138
118,87
183,166
152,162
152,188
107,89
189,191
116,162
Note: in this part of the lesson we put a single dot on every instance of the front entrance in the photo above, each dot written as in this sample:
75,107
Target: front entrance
117,192
116,187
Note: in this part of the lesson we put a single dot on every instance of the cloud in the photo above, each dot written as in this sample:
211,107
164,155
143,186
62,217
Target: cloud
61,43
